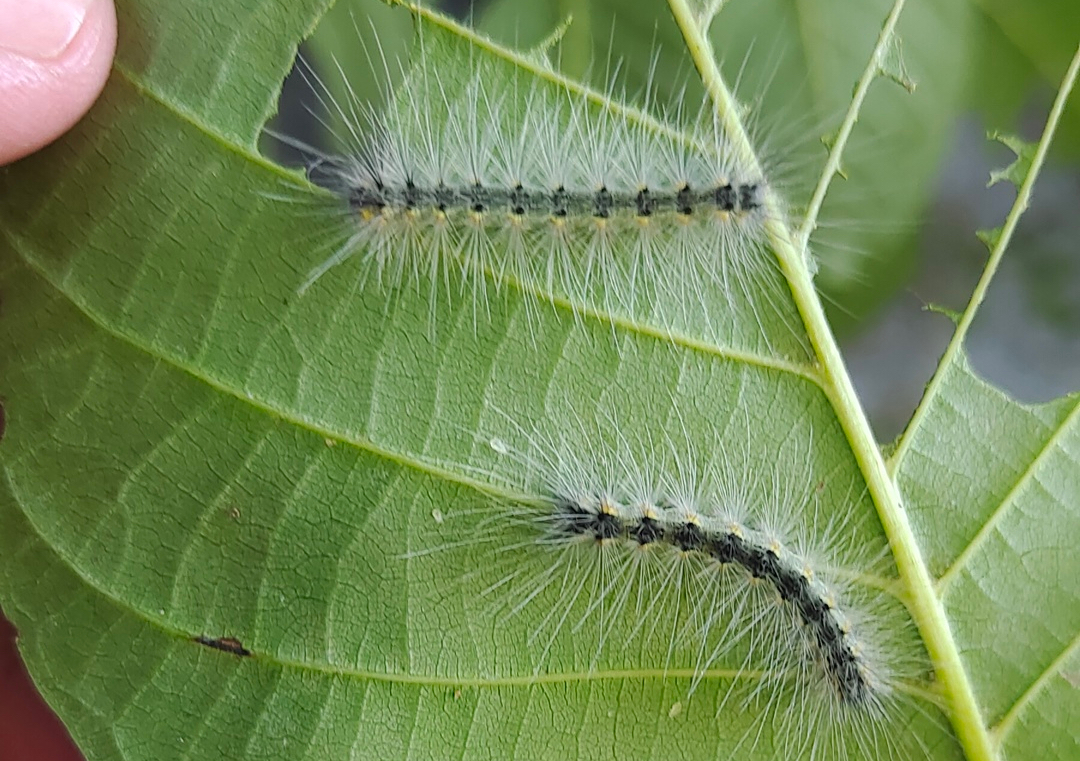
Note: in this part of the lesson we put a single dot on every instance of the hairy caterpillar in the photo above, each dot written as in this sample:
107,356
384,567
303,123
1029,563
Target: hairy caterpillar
483,173
613,538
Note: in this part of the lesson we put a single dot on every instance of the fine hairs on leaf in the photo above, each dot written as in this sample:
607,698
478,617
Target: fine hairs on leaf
513,429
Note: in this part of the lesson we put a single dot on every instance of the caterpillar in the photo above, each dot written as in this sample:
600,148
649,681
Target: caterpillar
559,185
488,173
602,517
604,538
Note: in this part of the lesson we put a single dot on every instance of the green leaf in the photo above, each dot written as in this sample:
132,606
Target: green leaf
1018,49
1018,169
216,65
211,488
1045,33
993,486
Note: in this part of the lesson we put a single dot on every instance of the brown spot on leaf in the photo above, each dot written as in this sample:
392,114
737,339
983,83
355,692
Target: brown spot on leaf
225,644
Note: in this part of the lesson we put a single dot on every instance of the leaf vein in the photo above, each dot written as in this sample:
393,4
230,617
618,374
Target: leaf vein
1001,730
991,523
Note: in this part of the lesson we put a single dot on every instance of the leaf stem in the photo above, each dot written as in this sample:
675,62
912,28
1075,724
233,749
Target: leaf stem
1023,198
926,608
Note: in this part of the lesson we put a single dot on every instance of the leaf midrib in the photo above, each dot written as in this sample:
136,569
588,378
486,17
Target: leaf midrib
926,607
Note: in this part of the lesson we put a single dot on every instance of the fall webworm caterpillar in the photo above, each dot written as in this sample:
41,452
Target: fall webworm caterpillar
604,540
487,172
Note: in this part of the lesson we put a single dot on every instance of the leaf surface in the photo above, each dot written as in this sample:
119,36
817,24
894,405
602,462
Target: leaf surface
992,485
213,491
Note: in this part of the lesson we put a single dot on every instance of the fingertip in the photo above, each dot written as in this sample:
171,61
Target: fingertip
55,56
29,730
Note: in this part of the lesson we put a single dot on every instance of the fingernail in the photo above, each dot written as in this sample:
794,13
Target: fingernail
40,29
